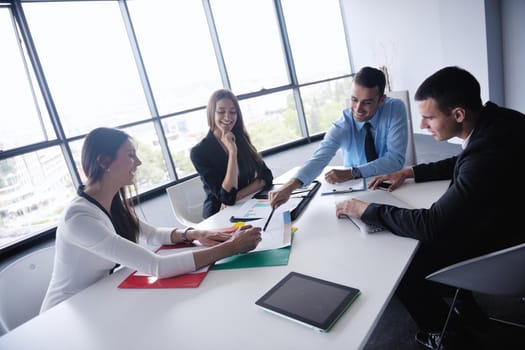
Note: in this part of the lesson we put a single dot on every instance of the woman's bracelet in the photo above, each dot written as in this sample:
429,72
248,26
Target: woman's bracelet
184,236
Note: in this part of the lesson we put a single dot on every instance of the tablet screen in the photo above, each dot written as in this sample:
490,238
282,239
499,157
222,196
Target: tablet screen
311,301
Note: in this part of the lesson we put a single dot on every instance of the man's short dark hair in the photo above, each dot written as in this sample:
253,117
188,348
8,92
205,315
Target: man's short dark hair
451,87
371,77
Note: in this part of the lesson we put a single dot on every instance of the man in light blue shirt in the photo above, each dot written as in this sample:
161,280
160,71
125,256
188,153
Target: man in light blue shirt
388,119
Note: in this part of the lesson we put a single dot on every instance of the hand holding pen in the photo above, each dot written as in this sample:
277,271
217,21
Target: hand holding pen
246,238
281,195
268,220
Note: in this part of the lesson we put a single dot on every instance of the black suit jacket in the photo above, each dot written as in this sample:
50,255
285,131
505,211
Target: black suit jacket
211,161
478,212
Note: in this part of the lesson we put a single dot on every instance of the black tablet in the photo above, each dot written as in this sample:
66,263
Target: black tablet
308,300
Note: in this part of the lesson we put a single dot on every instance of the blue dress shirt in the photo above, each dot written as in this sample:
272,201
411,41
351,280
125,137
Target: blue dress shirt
390,131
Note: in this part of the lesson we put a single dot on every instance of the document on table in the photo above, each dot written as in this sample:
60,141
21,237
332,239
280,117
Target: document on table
354,185
380,197
277,234
272,257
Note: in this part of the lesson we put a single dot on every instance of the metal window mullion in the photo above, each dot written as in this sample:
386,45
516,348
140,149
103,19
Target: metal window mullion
347,37
44,88
157,123
291,69
216,44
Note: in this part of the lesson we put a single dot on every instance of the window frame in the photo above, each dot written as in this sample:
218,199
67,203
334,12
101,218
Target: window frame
155,119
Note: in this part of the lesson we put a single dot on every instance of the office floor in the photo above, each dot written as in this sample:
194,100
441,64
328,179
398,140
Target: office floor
396,330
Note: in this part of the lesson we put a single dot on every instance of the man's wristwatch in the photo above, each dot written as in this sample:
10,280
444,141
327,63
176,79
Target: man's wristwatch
356,173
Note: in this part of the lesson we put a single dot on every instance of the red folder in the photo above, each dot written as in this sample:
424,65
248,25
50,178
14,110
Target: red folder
189,280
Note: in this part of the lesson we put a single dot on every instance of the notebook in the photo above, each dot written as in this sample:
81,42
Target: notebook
310,301
380,197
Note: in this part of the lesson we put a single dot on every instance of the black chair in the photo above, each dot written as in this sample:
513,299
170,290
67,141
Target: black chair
501,273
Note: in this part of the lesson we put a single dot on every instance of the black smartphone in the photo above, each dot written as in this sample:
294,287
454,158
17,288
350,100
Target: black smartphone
384,185
261,194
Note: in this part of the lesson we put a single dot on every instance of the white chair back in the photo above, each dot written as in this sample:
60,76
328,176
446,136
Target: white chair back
23,285
187,199
411,158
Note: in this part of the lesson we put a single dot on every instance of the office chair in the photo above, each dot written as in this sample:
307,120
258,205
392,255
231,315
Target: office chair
187,199
23,284
500,273
410,159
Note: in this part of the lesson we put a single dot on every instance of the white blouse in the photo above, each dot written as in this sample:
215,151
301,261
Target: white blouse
87,247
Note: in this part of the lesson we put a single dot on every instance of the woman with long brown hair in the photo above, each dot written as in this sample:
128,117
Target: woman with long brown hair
228,163
100,230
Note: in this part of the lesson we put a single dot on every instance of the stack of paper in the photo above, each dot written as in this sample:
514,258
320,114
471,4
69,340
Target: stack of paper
274,249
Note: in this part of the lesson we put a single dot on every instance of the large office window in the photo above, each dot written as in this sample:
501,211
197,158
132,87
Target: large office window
88,64
251,44
20,105
177,49
149,67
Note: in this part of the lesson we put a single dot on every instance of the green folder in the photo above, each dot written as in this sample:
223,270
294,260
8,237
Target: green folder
273,257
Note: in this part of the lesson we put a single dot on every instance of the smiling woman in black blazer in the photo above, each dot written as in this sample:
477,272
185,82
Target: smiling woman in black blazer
228,163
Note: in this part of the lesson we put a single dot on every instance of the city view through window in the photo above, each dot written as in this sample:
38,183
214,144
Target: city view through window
149,67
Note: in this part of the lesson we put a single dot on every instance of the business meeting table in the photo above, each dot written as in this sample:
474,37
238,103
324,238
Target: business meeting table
221,312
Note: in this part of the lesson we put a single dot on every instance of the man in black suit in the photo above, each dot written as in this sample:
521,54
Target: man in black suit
476,214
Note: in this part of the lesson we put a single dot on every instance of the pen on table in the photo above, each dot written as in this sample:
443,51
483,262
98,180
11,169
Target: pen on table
298,196
234,219
300,191
268,220
349,190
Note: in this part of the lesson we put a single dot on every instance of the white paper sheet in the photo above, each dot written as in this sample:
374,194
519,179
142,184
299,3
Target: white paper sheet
276,235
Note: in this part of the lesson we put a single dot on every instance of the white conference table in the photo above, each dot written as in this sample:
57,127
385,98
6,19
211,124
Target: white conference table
220,313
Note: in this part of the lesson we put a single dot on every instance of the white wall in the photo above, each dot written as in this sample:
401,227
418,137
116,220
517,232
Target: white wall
495,51
414,38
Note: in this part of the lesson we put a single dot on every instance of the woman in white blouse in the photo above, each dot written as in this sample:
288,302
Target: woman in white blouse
99,230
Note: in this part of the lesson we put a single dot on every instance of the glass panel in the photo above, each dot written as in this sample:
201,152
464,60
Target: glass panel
182,68
324,103
88,62
89,65
19,108
317,39
153,171
271,120
34,188
252,47
183,132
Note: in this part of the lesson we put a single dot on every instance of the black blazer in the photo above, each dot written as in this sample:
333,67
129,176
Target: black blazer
478,212
211,161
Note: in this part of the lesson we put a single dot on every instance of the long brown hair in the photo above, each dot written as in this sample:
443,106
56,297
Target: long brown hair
104,143
248,156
